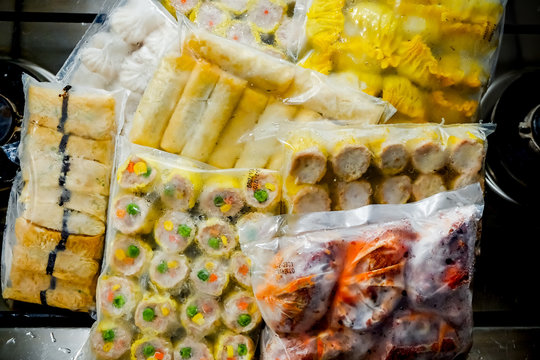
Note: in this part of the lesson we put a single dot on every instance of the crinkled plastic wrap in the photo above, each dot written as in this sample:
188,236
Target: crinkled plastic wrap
432,60
175,283
333,166
55,227
198,104
269,25
378,282
122,48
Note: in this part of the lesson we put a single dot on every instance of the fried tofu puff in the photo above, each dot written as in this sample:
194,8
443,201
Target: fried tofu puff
136,174
110,340
157,315
200,315
150,347
232,346
217,237
174,231
222,197
242,314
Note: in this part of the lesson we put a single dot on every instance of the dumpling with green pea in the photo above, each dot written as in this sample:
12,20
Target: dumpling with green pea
221,197
209,275
217,237
168,271
191,349
132,215
174,231
129,256
118,296
262,189
234,346
151,347
157,315
136,174
110,340
181,189
200,315
242,314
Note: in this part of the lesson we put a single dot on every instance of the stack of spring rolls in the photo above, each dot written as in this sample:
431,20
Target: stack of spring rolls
174,280
199,104
66,162
341,169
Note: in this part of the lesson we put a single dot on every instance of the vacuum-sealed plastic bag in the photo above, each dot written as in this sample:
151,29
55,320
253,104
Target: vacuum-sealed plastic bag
56,220
174,283
377,282
200,103
268,25
432,60
122,48
331,166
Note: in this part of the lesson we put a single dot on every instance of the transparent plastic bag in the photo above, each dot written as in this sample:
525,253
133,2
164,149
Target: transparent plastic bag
199,103
333,166
269,25
377,282
122,48
55,226
432,60
174,280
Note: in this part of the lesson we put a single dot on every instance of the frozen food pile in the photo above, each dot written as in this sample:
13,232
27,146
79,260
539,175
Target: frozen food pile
378,282
265,24
200,103
339,168
174,280
55,230
200,159
430,59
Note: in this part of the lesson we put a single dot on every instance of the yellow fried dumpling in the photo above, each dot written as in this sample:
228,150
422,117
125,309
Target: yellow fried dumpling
378,25
318,60
472,11
460,69
451,106
357,52
417,63
324,23
405,96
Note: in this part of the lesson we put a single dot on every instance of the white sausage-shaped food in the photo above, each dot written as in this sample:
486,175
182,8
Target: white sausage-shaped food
394,190
308,165
350,160
352,195
427,156
310,198
391,158
466,155
426,185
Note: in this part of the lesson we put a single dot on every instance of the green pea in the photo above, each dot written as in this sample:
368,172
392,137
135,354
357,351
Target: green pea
192,310
133,251
203,274
244,320
108,335
260,195
169,189
218,201
149,350
242,349
148,171
148,314
133,209
184,230
185,352
118,301
214,243
162,267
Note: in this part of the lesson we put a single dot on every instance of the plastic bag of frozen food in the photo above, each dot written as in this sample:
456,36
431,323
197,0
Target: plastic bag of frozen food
55,227
122,48
432,60
198,104
174,283
269,25
332,166
377,282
